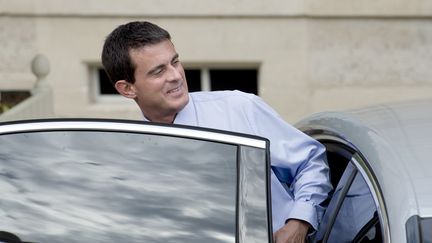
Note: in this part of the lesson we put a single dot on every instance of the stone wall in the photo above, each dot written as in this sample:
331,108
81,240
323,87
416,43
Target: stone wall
17,48
357,61
312,55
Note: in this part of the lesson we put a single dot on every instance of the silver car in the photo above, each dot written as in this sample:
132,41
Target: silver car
123,181
381,169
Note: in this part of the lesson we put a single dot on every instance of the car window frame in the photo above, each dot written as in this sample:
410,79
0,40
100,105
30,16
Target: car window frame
343,186
336,203
118,125
362,165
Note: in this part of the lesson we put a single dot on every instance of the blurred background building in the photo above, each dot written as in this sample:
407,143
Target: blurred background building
300,56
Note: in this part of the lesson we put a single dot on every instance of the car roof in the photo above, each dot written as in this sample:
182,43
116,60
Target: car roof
396,139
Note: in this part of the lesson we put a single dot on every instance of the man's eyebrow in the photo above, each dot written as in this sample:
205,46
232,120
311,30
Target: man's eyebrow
176,56
154,70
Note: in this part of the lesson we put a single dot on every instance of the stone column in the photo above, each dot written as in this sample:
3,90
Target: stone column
40,67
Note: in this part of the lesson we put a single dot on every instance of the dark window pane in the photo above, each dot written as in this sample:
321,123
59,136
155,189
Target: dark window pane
418,229
230,79
193,77
8,99
105,86
426,225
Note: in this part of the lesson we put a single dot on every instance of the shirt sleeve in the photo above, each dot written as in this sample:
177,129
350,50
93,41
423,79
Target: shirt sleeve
300,170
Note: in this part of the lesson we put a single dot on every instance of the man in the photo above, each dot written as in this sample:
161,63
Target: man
143,65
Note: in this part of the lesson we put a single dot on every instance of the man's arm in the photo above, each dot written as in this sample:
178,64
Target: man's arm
299,165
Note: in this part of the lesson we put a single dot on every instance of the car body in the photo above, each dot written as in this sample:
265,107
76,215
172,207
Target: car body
381,169
75,180
86,180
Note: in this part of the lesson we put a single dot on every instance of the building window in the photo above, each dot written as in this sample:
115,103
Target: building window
105,86
209,79
8,99
101,89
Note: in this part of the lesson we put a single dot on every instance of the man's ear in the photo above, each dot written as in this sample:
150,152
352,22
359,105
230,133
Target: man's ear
125,88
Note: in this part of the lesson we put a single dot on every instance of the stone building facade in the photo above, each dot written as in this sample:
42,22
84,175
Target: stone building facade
310,55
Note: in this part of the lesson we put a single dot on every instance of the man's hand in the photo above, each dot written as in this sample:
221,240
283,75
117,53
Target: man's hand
294,231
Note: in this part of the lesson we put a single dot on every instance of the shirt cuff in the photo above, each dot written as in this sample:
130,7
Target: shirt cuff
305,211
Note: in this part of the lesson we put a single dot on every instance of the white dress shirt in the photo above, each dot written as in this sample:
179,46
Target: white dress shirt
302,180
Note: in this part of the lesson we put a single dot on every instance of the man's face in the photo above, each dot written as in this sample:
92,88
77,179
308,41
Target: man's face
160,86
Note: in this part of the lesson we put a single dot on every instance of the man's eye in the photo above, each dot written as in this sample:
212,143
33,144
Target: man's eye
158,71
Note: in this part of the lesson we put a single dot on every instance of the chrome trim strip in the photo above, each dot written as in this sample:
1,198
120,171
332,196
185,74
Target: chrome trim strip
132,127
377,196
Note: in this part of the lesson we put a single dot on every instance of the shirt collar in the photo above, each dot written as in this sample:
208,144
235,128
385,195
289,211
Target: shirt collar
187,116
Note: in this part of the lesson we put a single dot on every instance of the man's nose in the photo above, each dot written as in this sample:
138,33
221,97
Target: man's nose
174,73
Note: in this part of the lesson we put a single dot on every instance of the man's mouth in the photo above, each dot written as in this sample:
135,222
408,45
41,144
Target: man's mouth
174,90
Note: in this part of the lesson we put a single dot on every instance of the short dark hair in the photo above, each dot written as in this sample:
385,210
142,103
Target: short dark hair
115,54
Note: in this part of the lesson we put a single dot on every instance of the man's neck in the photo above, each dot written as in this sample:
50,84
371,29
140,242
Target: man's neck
164,119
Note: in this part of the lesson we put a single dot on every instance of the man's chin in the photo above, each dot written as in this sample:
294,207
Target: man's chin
184,101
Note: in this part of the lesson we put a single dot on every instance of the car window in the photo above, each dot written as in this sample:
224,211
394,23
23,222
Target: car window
418,229
117,187
357,210
351,215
